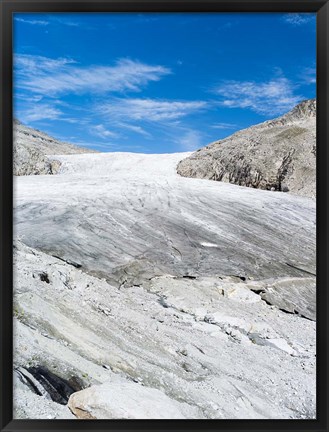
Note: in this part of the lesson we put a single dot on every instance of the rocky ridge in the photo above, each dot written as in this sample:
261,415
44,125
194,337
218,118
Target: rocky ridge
33,149
275,155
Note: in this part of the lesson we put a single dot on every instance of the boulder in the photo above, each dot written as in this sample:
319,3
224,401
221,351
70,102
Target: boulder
123,401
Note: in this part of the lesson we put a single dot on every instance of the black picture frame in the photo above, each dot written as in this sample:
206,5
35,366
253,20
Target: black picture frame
7,8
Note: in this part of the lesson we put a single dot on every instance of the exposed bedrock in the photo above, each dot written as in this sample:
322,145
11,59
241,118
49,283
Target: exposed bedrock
277,155
187,292
209,347
119,219
33,151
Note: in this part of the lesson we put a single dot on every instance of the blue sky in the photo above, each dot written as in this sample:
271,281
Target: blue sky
159,83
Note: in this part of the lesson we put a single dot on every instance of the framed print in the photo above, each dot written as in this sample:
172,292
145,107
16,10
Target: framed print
164,190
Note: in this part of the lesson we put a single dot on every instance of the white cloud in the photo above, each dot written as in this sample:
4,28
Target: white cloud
268,98
151,117
191,140
309,75
134,128
102,132
26,64
74,120
65,21
40,112
32,22
224,126
151,110
51,19
27,98
51,77
297,19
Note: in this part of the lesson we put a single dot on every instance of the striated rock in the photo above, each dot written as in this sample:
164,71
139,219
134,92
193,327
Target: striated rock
210,346
138,279
277,155
32,151
294,295
130,217
123,401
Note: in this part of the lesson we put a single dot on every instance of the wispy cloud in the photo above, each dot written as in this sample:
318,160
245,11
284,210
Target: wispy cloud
191,140
21,97
298,19
273,97
155,117
224,126
34,64
102,132
52,77
32,22
308,75
40,112
49,19
134,128
65,21
151,110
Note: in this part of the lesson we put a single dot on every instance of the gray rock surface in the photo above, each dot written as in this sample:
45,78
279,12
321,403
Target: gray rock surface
278,154
123,400
293,295
127,274
207,348
32,151
129,217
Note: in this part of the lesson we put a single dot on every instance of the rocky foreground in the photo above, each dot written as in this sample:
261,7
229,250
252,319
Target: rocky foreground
143,294
275,155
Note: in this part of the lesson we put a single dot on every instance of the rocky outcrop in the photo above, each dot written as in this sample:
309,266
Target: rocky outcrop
33,149
293,295
275,155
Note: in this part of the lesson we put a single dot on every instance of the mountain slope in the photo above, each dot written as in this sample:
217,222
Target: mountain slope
32,148
278,155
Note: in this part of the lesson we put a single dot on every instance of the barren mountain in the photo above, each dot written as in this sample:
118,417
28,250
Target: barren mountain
276,155
32,151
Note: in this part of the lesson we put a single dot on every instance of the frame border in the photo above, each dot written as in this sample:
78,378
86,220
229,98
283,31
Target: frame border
7,8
